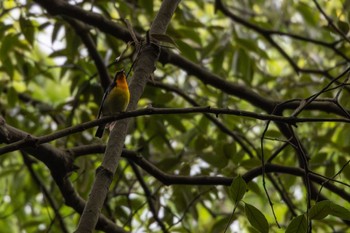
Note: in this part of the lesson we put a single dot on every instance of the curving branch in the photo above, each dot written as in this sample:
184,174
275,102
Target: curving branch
32,141
60,7
60,164
168,179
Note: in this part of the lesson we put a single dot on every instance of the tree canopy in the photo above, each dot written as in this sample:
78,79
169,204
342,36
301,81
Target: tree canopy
238,118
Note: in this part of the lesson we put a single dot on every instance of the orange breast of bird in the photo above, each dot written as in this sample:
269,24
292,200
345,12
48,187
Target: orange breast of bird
118,99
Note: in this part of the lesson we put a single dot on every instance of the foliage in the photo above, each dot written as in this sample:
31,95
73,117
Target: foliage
277,58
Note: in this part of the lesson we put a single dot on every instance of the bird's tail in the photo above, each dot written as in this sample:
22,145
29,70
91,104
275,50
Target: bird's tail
99,131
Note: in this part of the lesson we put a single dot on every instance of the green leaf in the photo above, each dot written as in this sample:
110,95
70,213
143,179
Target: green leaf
297,225
343,26
56,28
220,224
310,16
176,122
27,29
252,46
339,211
346,171
191,34
330,169
256,218
218,60
7,43
237,189
201,143
164,39
147,5
215,159
320,210
12,97
229,150
187,50
243,65
254,187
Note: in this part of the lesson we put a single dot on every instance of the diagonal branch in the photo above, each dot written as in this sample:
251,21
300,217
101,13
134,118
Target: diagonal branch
149,197
239,139
143,69
330,22
84,35
46,193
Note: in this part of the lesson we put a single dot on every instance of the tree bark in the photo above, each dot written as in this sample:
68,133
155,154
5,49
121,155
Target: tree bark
143,70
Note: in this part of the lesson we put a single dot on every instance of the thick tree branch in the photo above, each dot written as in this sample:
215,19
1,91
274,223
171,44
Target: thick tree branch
167,179
143,69
62,8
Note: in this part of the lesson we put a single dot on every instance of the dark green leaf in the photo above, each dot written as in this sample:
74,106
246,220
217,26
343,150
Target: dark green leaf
201,143
218,60
256,218
176,122
342,161
12,97
339,211
343,26
243,65
187,50
27,29
252,46
230,150
56,28
308,14
320,210
254,187
164,39
216,159
190,34
297,225
219,225
330,169
147,5
237,189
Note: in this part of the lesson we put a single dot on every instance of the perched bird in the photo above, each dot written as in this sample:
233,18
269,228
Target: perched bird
115,99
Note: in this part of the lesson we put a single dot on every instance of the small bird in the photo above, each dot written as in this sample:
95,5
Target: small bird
115,100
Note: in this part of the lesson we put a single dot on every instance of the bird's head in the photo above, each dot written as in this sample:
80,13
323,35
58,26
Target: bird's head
120,78
120,75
